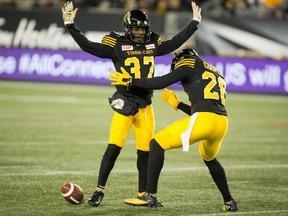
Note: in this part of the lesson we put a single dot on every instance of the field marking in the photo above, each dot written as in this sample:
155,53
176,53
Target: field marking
56,87
36,143
243,213
50,99
174,169
260,98
95,89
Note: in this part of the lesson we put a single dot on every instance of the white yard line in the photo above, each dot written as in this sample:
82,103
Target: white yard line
63,142
244,213
50,99
174,169
56,87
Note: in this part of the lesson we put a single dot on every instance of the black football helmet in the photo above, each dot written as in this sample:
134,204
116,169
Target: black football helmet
181,55
136,18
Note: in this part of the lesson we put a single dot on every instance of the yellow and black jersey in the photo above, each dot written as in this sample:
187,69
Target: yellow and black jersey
138,60
204,84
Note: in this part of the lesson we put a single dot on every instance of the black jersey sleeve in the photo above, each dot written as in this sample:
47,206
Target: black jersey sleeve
94,48
171,45
163,81
184,108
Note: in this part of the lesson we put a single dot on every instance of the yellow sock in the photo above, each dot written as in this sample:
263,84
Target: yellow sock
100,189
141,194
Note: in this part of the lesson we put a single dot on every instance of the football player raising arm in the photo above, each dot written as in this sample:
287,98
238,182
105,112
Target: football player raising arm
135,51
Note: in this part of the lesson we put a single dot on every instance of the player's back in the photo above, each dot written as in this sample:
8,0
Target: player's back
206,87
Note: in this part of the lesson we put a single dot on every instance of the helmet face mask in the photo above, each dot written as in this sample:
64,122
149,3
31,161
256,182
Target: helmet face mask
181,55
136,26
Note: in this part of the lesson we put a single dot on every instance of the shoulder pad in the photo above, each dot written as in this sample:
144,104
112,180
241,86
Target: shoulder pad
154,34
115,34
156,37
186,62
110,40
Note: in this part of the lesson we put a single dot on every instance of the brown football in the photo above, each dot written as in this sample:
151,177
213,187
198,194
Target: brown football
72,193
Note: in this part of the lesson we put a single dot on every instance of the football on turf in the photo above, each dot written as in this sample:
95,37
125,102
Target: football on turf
72,193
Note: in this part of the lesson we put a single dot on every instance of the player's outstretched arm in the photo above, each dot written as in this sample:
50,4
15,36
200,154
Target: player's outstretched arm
68,13
94,48
196,12
179,39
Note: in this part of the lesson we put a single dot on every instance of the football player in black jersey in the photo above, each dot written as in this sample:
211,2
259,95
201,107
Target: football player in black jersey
207,124
135,51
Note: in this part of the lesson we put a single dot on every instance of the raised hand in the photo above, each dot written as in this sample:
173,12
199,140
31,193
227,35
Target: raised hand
68,13
196,12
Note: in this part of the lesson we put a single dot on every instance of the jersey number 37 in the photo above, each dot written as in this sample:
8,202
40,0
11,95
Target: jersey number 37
147,60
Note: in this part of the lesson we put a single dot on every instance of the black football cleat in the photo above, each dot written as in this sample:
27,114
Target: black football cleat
144,200
230,206
151,200
96,198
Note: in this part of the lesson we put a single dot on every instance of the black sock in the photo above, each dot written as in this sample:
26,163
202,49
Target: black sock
107,163
142,162
218,174
155,164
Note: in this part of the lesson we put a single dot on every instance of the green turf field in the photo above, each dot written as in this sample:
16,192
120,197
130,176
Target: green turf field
51,134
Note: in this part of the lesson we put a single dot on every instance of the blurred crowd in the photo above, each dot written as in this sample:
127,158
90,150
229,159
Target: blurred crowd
229,8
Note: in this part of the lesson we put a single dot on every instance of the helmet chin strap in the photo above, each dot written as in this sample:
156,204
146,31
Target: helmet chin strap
137,42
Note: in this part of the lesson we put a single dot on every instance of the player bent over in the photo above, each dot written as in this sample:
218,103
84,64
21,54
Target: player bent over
207,124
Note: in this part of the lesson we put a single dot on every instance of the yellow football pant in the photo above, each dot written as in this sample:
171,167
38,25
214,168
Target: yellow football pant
209,128
143,124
